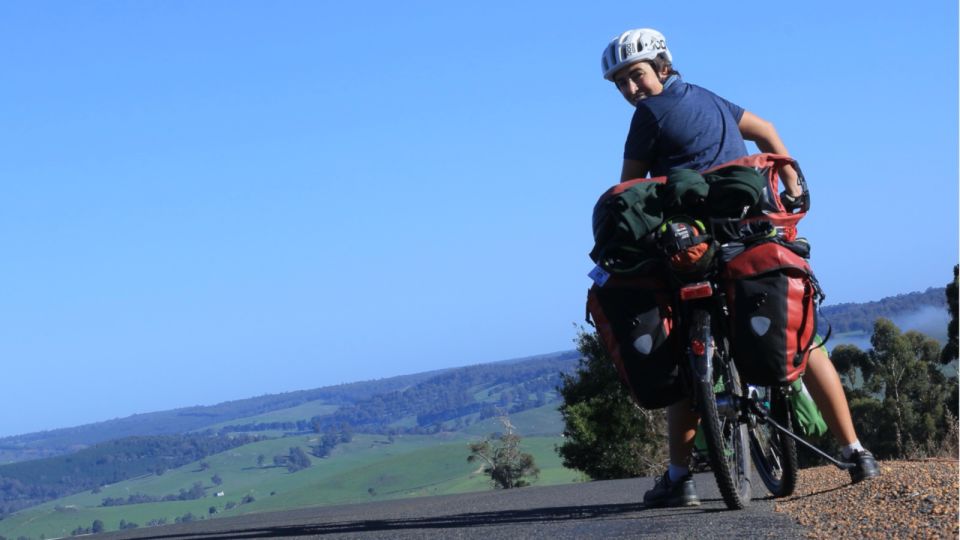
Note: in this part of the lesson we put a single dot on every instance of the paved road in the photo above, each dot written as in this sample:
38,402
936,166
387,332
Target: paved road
590,510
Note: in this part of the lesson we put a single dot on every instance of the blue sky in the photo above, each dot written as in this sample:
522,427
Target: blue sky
204,201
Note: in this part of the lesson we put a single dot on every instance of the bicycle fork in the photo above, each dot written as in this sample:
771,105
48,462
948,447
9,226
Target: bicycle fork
701,348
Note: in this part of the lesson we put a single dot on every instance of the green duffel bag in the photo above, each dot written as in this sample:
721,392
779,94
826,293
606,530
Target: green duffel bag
622,227
734,191
684,190
731,192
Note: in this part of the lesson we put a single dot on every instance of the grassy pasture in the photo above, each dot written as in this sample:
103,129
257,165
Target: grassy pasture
368,468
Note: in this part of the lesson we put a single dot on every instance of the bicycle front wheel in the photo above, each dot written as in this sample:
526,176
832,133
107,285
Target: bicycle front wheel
774,454
717,400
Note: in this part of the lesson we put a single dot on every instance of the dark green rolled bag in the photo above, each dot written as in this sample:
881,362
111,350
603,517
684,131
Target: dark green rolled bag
622,227
734,191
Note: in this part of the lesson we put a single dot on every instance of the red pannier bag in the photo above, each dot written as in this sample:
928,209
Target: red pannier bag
772,210
773,296
634,319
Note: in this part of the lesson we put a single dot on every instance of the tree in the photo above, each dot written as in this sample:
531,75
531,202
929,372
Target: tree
606,435
952,348
216,479
899,397
346,433
97,526
196,492
260,459
295,460
507,466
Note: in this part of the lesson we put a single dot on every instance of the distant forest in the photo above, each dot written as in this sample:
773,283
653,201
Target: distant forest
859,317
447,397
56,442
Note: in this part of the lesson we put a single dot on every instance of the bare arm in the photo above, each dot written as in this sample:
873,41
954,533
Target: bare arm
633,169
756,129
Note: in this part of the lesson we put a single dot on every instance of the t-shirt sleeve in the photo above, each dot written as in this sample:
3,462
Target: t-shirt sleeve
735,110
643,135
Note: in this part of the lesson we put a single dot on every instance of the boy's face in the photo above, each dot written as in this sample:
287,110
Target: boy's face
638,81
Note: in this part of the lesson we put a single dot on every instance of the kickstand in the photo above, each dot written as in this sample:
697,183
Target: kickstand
764,417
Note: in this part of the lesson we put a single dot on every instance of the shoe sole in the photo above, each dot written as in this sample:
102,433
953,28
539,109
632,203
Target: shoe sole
858,479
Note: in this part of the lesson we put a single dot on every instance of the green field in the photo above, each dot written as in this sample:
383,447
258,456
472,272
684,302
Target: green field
368,468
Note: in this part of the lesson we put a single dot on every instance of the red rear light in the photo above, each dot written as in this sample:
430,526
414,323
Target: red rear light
698,347
696,290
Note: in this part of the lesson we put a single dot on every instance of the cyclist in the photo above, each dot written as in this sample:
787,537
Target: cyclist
679,125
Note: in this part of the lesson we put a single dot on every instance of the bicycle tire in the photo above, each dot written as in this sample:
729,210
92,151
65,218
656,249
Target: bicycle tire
775,454
726,436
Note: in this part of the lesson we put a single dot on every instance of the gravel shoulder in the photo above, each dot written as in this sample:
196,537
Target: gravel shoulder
910,499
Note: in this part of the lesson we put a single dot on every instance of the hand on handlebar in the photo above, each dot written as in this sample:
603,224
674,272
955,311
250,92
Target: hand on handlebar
795,196
790,178
792,204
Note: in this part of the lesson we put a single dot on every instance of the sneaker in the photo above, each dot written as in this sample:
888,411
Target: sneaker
865,466
667,493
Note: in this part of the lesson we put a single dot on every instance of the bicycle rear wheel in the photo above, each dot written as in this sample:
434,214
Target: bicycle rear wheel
717,400
774,454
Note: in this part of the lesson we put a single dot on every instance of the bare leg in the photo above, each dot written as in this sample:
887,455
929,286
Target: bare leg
681,430
827,392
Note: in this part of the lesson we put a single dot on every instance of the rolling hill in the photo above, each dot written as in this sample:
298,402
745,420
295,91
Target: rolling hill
405,442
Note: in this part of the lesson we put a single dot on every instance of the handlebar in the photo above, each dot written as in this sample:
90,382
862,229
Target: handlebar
800,203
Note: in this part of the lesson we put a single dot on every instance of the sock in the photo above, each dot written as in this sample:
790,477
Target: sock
676,472
849,449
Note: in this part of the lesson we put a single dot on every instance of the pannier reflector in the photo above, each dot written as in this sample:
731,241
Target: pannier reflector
697,290
643,344
760,325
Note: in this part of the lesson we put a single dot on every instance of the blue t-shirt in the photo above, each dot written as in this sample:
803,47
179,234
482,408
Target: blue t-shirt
684,127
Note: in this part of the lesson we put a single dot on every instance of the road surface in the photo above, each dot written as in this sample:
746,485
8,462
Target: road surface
609,509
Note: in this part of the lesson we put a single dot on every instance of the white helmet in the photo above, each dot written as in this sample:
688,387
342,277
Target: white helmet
630,47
